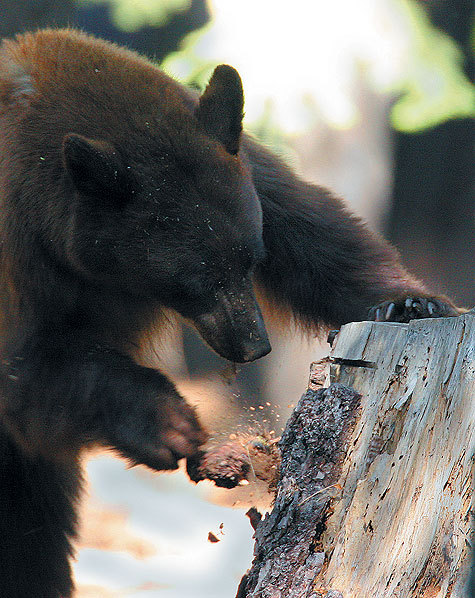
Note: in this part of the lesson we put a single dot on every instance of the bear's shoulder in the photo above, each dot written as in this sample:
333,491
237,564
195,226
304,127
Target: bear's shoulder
68,62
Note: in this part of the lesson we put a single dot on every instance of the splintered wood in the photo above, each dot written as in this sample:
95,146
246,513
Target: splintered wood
398,522
315,441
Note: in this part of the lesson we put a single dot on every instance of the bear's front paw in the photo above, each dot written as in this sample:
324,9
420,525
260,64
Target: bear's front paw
163,433
413,307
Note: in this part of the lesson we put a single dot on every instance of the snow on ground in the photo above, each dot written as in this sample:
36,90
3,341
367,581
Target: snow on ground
146,535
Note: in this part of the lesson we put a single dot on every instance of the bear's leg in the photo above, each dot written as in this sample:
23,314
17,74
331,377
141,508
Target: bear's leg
323,264
144,417
37,523
62,394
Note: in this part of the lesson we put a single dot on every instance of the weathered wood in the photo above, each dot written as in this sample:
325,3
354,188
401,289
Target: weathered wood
402,526
399,524
314,444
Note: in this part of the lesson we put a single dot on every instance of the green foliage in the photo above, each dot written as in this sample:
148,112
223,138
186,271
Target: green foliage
186,63
131,15
432,89
435,87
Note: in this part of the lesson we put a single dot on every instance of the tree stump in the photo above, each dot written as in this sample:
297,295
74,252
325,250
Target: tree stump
376,483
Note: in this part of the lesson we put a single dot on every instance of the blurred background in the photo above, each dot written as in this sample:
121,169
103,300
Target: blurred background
372,98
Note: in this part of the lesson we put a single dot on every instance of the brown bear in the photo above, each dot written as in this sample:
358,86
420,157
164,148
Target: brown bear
123,195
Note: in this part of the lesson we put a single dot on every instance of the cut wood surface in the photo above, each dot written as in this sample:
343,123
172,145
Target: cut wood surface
395,480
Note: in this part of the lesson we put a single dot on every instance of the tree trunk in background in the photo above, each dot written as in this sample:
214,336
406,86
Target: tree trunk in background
375,489
431,218
433,201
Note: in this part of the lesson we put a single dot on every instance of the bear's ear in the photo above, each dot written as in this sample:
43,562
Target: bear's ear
94,166
220,110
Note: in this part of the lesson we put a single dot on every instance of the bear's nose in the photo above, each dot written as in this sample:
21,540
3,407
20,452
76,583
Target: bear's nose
235,328
254,350
241,340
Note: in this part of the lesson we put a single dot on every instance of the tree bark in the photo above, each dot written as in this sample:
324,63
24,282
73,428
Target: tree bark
375,487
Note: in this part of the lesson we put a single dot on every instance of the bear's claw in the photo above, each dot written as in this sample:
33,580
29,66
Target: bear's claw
409,308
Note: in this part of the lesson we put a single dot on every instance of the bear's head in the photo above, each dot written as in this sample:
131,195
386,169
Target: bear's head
171,215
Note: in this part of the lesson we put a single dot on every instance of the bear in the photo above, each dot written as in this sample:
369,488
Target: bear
123,196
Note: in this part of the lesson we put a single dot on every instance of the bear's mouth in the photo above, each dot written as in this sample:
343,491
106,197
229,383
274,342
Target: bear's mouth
235,328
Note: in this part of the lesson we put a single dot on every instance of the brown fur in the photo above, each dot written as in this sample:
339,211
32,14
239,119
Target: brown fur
123,196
